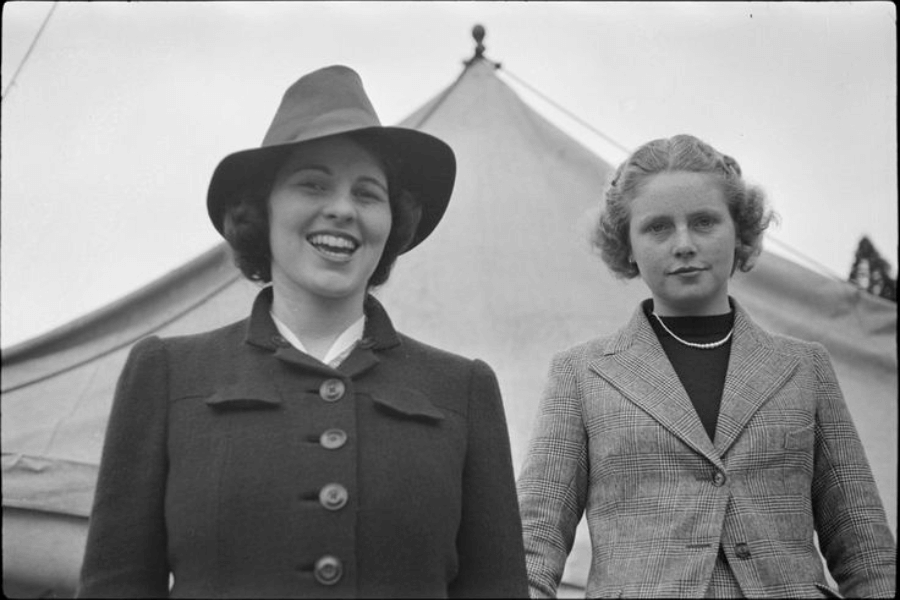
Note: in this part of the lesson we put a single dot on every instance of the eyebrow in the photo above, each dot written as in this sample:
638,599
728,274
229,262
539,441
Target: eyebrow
662,215
652,218
327,171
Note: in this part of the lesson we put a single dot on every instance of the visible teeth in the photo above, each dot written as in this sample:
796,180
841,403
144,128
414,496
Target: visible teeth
333,242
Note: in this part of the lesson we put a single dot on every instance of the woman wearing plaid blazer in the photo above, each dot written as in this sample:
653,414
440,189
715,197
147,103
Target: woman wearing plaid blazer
705,451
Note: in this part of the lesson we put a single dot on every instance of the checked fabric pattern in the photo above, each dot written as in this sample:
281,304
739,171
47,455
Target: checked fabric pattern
617,439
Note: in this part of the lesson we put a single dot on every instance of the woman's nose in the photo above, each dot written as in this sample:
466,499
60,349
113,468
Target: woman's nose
683,243
340,205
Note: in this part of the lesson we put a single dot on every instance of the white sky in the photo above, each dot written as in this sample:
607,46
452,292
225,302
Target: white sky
112,129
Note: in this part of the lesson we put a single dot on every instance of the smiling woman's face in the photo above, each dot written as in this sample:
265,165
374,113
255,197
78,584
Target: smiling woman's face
329,219
683,240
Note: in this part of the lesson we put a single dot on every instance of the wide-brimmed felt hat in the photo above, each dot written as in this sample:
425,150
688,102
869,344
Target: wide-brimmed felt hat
328,102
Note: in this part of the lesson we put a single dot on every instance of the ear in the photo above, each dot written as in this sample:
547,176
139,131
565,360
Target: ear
751,261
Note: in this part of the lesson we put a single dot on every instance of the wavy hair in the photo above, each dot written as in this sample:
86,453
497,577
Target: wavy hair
746,203
246,221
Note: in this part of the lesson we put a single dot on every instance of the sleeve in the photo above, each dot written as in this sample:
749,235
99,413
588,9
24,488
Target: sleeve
553,482
489,542
854,536
125,554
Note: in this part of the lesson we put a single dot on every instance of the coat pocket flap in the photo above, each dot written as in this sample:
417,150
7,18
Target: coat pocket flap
241,398
408,402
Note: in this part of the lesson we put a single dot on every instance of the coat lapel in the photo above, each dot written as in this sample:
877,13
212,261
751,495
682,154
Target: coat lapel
756,371
637,366
379,335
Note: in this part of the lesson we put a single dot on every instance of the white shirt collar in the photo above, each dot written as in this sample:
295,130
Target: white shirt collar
339,349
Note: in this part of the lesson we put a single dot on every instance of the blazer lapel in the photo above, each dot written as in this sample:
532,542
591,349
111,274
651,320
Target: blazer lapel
756,371
637,366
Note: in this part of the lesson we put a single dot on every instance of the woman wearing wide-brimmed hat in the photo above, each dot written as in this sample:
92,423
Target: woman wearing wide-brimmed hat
311,450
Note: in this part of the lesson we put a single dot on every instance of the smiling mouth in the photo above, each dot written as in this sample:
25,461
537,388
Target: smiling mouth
330,244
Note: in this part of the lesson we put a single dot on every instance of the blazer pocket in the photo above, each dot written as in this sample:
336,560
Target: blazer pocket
408,403
240,397
800,439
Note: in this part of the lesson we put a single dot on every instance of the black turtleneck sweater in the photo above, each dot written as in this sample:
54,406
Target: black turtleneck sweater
701,371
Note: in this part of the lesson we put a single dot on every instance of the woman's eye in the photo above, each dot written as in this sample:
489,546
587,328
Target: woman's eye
371,195
313,184
657,227
704,222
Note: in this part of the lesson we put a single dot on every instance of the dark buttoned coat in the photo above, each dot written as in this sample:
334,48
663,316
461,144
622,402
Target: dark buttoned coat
246,468
617,439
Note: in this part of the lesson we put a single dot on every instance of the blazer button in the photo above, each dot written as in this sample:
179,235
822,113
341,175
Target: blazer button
719,479
333,439
333,496
280,341
328,570
742,550
332,390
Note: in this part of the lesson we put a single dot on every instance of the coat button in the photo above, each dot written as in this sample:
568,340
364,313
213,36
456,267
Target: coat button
742,550
280,341
328,570
719,479
333,439
333,496
332,390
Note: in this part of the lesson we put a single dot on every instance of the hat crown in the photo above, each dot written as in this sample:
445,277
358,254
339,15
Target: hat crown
325,102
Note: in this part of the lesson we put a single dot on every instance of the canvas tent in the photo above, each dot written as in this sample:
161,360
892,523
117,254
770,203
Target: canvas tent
507,277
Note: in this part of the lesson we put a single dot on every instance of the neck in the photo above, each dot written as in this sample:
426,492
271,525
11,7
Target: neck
316,321
720,306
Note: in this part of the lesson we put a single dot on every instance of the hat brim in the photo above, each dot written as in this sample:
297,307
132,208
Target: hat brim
427,169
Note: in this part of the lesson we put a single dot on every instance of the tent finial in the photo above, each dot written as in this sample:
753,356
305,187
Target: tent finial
478,34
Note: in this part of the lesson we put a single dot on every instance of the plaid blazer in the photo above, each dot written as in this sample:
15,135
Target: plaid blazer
616,437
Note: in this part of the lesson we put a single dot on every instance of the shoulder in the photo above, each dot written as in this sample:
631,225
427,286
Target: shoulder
782,344
186,362
795,346
585,352
449,380
184,345
431,357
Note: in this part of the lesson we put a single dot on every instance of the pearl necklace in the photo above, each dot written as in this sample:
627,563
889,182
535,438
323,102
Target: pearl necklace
708,346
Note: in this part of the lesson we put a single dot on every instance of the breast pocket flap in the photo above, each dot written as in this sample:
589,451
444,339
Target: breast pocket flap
241,398
409,403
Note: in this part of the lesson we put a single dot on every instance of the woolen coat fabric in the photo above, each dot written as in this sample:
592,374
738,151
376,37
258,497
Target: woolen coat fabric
247,468
617,438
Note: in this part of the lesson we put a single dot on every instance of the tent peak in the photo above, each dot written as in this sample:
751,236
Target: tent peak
478,33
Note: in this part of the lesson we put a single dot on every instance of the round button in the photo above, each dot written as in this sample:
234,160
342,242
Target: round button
333,496
742,550
332,390
333,439
328,570
719,479
280,341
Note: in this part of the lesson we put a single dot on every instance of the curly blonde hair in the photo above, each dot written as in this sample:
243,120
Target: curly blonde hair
746,203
